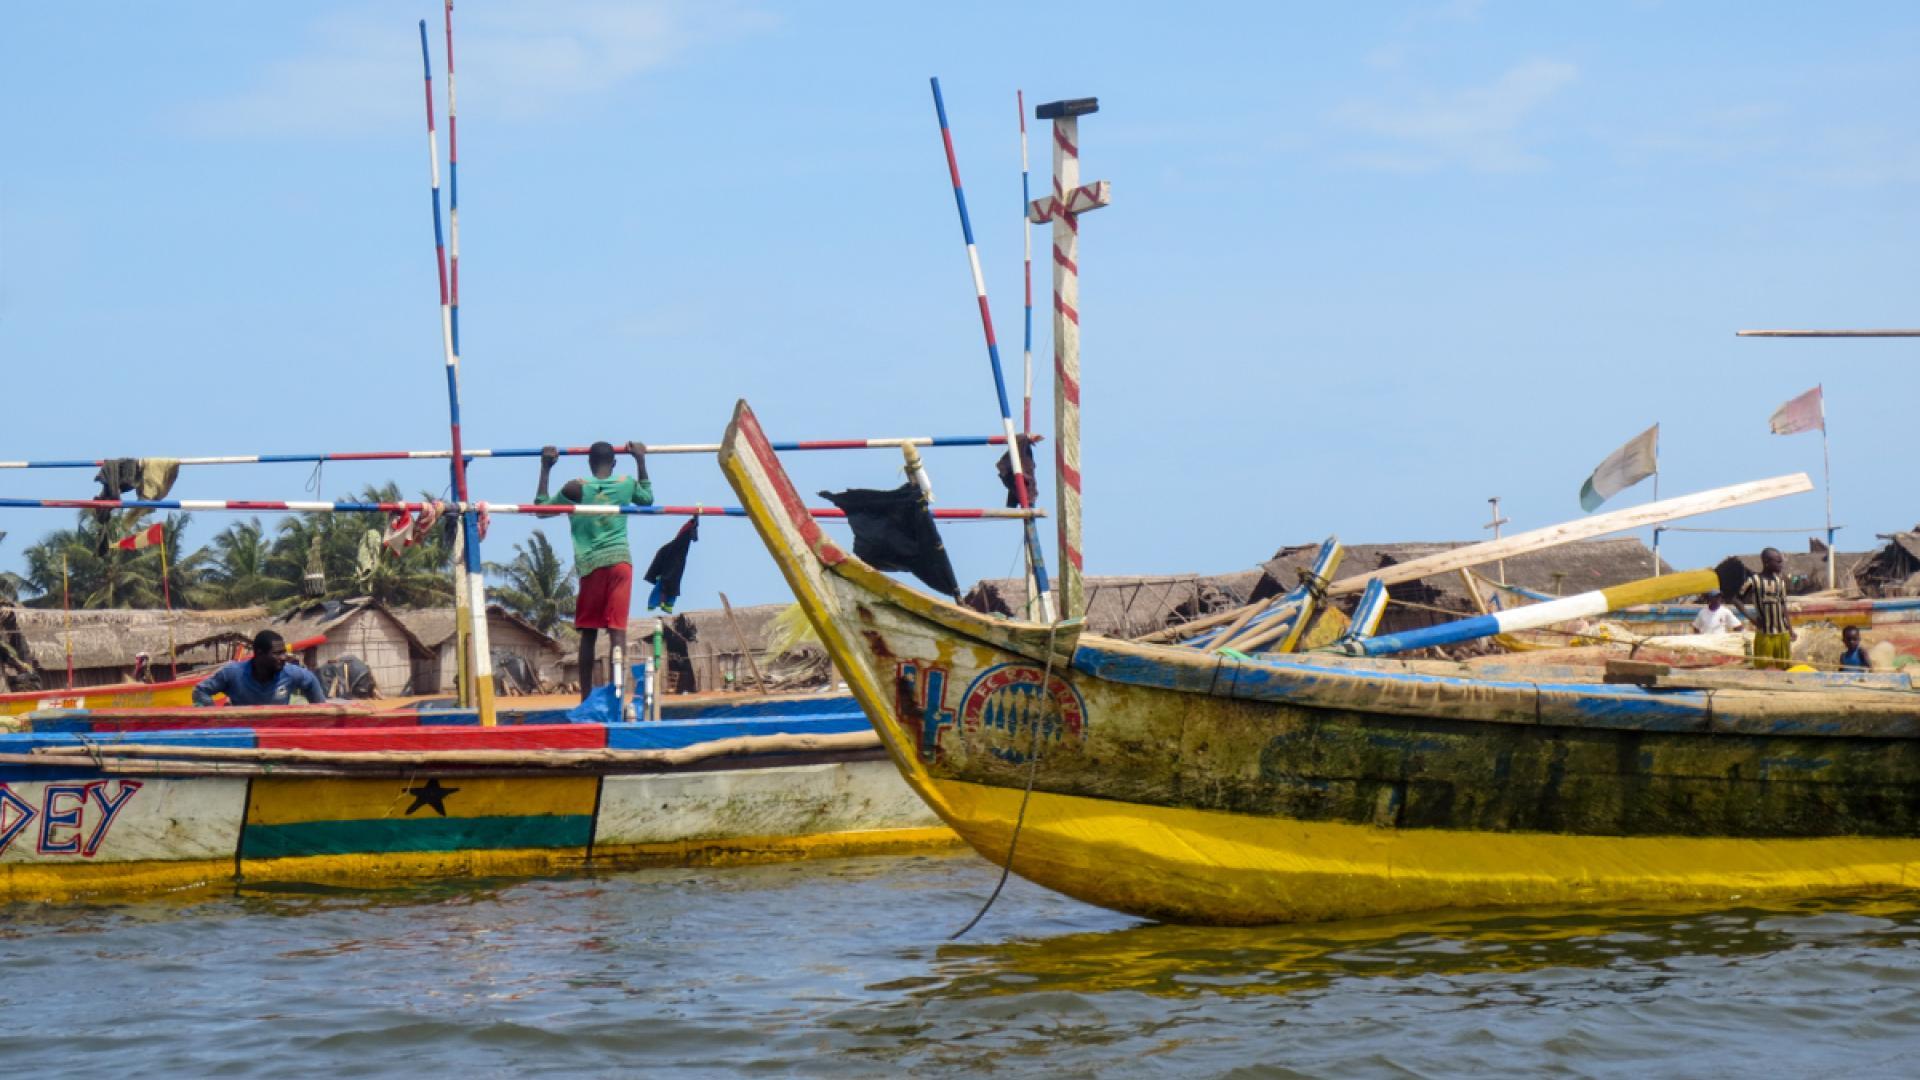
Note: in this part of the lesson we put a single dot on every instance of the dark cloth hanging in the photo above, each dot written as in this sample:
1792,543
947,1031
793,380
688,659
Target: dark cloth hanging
116,476
894,530
1005,466
668,564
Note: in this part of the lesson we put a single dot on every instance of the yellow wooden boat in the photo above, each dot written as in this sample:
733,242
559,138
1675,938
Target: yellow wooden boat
1209,788
173,694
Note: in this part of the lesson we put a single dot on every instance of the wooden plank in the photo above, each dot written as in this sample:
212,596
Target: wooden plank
1634,517
1634,672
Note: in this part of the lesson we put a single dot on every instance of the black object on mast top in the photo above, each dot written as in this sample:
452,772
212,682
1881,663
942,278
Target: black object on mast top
1055,110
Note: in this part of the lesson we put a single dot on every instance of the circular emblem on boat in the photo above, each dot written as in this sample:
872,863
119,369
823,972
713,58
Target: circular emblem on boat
1006,699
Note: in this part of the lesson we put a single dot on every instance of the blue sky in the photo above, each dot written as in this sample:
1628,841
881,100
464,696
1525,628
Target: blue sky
1365,266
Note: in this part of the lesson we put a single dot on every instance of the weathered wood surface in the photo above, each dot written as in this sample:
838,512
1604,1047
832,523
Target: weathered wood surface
530,760
1633,517
1471,555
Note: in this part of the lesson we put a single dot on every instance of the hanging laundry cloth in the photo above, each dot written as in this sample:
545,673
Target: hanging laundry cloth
668,566
399,534
116,475
157,475
894,530
424,521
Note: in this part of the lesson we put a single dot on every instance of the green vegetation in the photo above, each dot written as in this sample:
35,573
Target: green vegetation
246,564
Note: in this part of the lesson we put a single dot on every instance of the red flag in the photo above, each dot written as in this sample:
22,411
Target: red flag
145,538
1804,413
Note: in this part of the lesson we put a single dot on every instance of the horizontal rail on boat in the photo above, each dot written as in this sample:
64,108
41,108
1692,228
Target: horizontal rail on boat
533,452
823,513
131,757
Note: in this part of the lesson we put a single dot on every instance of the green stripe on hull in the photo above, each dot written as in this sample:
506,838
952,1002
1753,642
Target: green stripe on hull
381,835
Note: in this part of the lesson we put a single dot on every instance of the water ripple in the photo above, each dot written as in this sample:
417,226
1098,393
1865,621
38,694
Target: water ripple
842,969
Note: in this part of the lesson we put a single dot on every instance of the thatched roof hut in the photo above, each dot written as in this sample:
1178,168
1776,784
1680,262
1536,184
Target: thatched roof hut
1128,606
507,635
1893,570
105,642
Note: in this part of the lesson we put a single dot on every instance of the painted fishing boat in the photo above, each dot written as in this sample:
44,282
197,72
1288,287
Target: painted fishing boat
136,801
174,693
171,694
1204,787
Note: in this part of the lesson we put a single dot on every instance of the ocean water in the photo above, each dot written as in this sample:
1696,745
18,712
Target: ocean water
843,968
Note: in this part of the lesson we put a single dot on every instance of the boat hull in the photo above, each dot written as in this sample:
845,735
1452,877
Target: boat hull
1179,785
81,828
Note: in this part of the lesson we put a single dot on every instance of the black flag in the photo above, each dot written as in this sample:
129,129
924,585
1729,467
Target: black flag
669,563
894,530
1005,466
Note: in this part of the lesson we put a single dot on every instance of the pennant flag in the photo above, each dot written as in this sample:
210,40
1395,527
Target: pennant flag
894,530
1625,467
145,538
1808,412
669,566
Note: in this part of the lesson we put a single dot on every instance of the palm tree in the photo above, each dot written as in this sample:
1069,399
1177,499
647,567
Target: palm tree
68,562
236,574
536,585
353,561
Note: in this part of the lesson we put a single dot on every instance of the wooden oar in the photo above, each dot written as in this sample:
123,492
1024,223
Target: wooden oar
1460,558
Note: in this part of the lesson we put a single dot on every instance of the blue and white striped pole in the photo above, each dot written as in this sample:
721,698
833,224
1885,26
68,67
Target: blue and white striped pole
1022,491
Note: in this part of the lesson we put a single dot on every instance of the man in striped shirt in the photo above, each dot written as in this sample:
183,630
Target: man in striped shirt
1772,634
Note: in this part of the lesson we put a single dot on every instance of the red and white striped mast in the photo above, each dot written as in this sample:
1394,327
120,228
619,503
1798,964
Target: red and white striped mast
1069,200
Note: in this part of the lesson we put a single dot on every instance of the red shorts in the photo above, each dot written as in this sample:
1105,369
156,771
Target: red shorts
604,598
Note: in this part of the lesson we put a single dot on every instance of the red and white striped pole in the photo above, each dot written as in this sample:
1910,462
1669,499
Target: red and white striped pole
1064,207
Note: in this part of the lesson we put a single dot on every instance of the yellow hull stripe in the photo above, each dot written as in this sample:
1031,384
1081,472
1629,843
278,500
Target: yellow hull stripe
1206,866
295,801
74,881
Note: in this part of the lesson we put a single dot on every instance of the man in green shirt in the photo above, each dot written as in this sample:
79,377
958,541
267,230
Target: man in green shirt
600,554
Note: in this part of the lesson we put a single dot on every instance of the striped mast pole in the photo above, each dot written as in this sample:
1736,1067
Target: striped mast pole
1064,207
463,644
1026,352
1036,562
469,585
893,443
1026,240
254,506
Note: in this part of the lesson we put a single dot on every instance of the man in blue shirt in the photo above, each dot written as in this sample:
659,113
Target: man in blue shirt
266,678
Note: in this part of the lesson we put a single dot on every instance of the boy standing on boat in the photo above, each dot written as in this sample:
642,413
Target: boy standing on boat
600,554
1772,634
265,678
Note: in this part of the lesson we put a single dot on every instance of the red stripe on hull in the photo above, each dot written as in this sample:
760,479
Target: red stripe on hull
809,529
530,737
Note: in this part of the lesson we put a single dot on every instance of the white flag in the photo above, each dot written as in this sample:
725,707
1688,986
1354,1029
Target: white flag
1625,467
1808,412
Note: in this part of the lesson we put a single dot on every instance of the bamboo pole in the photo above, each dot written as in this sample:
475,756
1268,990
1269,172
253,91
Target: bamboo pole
745,649
166,598
66,612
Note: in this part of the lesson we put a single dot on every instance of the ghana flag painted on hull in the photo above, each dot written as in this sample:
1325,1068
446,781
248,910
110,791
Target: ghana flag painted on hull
294,818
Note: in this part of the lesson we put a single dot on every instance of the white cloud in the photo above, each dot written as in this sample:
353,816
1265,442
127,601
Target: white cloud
359,72
1477,128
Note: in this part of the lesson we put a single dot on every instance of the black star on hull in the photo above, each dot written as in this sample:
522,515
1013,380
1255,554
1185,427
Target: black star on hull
431,794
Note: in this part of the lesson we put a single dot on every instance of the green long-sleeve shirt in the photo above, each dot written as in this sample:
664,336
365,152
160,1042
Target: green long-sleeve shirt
600,540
